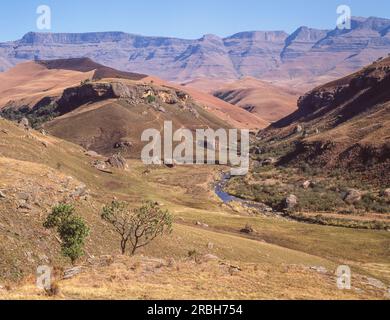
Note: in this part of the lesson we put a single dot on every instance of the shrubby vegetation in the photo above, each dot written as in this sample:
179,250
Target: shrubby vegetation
72,230
139,226
36,116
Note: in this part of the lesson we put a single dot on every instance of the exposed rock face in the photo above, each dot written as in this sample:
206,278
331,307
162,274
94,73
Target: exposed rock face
90,92
267,55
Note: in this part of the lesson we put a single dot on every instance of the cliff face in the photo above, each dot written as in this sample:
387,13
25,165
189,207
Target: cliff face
307,53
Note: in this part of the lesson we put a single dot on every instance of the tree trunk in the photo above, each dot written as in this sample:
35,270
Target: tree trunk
123,247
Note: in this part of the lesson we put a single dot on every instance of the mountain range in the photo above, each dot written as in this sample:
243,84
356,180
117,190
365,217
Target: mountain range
306,56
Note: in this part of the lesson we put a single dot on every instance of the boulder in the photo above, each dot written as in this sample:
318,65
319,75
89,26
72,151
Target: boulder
123,145
70,273
298,129
307,184
117,161
386,193
291,202
200,224
24,123
2,195
248,229
101,166
353,196
269,161
210,257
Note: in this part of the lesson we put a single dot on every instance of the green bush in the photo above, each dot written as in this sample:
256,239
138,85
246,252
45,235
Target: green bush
150,99
72,230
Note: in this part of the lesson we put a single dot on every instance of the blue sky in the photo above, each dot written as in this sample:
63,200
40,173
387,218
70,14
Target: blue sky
180,18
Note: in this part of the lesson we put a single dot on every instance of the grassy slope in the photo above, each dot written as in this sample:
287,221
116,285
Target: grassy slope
186,191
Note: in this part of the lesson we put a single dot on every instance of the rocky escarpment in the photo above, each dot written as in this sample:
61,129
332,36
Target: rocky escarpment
90,92
306,53
345,98
344,124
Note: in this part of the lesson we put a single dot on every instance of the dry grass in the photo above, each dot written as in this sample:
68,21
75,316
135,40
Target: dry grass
141,278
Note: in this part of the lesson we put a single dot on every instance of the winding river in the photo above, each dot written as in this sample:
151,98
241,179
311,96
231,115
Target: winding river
227,198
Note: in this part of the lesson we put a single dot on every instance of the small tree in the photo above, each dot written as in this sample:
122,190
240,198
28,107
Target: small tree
72,230
138,226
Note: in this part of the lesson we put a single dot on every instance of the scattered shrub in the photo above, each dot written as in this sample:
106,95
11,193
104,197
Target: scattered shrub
72,230
138,226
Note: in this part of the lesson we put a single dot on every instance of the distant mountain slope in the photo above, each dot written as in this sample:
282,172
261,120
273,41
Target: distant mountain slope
106,110
268,101
37,84
265,99
305,55
342,124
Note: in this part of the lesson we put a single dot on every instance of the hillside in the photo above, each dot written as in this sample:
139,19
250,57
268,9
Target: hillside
102,109
269,101
38,171
304,57
342,124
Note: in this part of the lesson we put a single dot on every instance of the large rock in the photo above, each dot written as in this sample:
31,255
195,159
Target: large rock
210,257
386,193
299,129
269,161
353,196
117,161
291,202
307,184
24,123
248,229
70,273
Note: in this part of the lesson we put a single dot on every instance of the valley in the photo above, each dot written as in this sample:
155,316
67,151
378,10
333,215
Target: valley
78,198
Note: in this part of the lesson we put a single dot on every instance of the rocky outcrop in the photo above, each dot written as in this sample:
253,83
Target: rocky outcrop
74,97
117,161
